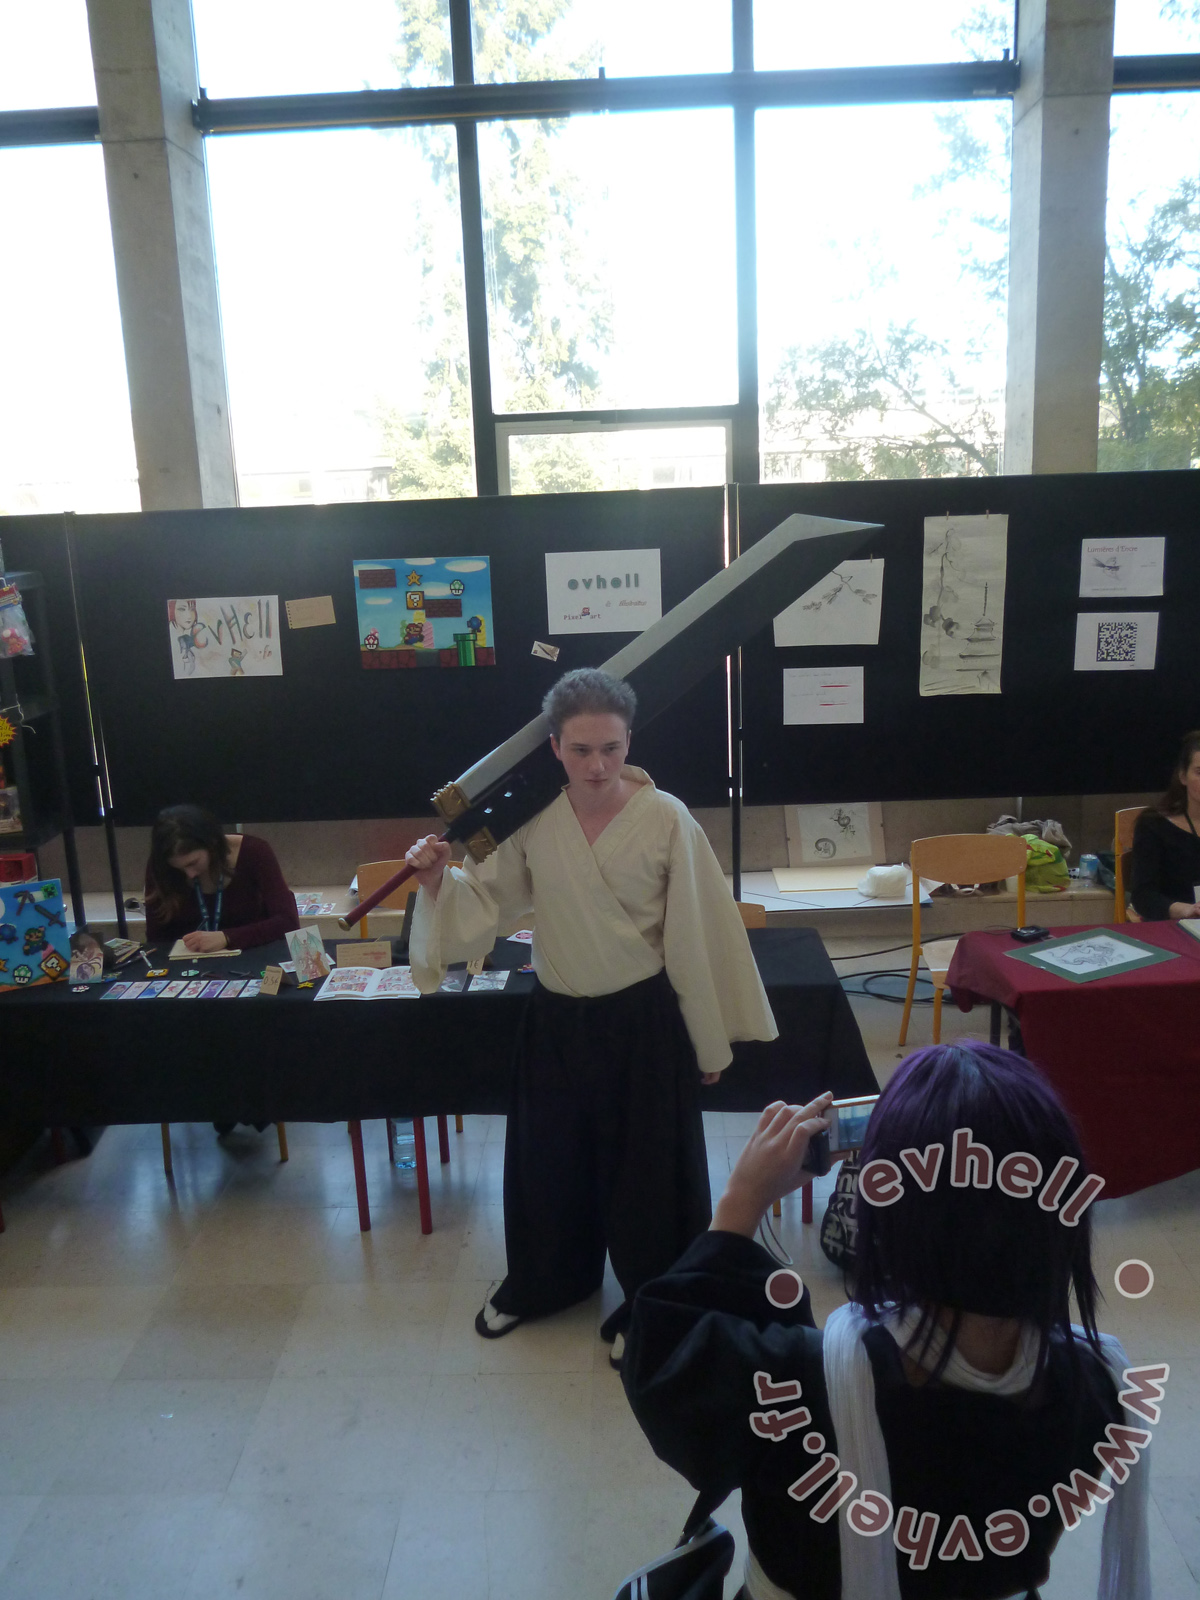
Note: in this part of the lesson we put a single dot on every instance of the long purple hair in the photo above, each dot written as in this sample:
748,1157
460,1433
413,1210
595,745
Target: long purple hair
970,1249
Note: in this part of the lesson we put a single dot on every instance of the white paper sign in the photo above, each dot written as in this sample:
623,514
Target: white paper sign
1116,641
1121,566
228,637
842,609
822,695
603,591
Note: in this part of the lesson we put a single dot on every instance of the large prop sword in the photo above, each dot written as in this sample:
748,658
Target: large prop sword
519,778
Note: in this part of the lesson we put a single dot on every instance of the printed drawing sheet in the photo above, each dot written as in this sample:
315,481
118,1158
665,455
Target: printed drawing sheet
822,695
842,609
1116,641
1121,567
962,604
225,637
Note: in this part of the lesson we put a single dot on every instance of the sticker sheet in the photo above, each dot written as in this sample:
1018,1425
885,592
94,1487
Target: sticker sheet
34,944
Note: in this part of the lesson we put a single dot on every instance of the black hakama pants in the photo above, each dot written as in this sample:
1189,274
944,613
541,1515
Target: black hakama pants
604,1148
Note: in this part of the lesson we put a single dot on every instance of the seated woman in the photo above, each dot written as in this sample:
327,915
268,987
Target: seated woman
953,1387
215,891
1165,877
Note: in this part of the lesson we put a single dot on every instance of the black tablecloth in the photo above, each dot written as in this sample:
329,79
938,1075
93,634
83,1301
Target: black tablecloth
76,1060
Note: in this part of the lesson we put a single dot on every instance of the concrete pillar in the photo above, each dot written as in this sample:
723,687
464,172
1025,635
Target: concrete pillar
144,56
1056,246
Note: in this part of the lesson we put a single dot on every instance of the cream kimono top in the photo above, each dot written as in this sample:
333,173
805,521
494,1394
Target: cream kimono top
650,893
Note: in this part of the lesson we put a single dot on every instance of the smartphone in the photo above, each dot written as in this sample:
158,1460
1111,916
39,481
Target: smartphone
847,1129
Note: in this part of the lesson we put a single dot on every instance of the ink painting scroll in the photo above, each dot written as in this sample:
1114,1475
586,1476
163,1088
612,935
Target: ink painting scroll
962,604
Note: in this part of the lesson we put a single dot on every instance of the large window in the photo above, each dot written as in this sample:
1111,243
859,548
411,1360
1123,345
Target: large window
1156,27
578,38
252,47
45,55
610,261
882,255
539,458
866,33
340,266
1150,375
66,438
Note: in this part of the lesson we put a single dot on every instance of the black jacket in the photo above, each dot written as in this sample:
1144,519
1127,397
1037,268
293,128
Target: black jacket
699,1334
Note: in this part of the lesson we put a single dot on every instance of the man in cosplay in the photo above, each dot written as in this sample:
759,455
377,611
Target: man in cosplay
644,978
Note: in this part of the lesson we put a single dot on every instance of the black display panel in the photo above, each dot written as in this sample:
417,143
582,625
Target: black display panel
1051,730
329,739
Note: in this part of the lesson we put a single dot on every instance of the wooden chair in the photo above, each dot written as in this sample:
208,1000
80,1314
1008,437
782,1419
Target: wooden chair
753,916
957,858
1125,822
370,875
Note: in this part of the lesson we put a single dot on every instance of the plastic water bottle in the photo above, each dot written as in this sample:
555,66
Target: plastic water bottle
1089,869
404,1145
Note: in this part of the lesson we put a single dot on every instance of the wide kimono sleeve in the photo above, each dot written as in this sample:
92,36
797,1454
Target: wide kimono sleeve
475,902
697,1336
707,954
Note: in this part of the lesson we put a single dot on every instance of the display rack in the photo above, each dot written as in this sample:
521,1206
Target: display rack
29,701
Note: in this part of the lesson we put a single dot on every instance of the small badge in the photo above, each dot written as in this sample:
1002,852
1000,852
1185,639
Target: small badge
190,972
79,988
158,972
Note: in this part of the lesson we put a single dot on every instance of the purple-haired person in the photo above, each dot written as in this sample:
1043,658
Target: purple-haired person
935,1439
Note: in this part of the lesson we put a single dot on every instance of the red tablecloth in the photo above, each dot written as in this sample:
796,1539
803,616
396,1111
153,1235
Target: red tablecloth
1122,1052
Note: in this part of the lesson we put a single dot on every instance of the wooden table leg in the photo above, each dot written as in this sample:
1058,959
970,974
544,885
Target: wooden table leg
281,1135
806,1203
422,1175
165,1130
360,1177
443,1140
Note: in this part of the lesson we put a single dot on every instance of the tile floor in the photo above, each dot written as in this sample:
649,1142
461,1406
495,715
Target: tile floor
224,1389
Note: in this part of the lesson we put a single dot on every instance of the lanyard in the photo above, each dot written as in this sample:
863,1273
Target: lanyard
1190,823
204,927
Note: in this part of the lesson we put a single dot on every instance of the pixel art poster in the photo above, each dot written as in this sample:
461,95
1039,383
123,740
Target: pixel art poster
34,945
425,611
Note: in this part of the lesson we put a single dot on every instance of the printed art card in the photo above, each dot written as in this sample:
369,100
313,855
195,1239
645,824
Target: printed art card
225,637
425,611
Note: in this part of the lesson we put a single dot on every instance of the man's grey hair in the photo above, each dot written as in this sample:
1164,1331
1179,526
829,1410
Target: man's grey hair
588,692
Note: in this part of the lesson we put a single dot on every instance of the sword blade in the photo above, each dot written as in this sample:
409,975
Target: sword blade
675,652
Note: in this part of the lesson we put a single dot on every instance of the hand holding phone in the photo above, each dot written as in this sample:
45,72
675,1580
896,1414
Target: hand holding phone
772,1163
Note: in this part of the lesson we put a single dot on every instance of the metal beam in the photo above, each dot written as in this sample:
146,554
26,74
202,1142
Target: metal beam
62,125
491,102
470,203
1139,74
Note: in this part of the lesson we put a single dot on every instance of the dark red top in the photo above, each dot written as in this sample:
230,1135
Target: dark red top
256,907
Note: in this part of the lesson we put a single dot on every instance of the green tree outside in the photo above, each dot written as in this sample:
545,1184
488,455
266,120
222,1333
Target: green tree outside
550,319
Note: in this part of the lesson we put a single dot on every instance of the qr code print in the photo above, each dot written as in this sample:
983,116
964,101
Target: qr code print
1116,641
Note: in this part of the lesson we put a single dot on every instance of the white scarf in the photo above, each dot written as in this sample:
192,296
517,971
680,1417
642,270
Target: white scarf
869,1564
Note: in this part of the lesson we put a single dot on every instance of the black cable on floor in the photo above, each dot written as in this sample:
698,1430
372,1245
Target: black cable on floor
919,998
